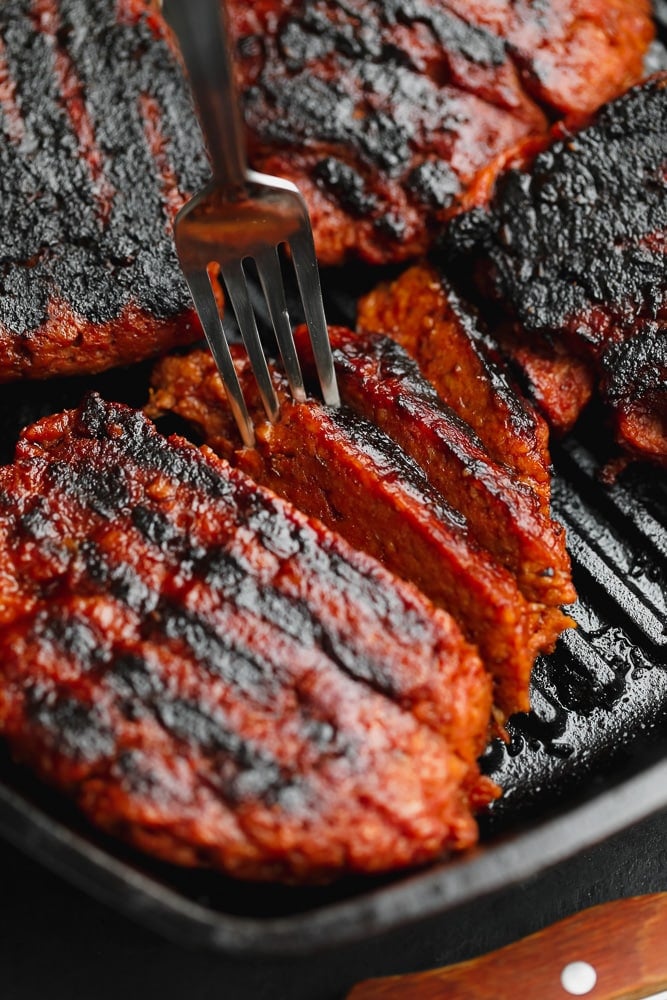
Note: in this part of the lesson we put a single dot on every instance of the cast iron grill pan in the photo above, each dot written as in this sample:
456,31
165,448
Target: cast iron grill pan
585,762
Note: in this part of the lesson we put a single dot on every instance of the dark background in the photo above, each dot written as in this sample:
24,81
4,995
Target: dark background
55,942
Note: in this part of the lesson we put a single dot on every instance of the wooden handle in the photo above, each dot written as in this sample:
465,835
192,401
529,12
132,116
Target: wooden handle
623,946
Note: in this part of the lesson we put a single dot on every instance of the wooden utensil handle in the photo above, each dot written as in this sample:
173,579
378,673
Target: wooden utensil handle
622,947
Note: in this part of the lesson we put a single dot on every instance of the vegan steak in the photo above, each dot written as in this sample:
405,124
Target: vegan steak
99,148
572,248
215,677
369,471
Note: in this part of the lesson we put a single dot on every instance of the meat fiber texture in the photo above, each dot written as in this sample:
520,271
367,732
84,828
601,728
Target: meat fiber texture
404,479
572,247
384,112
99,148
217,678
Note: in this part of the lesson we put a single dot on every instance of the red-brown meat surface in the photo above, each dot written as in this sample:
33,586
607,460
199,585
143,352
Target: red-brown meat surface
344,469
99,148
421,312
381,382
573,249
384,112
217,678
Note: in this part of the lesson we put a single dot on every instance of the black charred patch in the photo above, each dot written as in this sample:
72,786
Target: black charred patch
79,730
583,228
347,184
433,183
638,366
54,244
300,106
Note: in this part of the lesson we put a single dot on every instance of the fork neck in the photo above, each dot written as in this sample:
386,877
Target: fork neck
202,27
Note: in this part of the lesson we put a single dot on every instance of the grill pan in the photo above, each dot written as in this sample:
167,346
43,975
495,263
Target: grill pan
585,762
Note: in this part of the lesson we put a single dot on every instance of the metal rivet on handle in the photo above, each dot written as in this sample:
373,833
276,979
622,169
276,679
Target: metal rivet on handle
578,978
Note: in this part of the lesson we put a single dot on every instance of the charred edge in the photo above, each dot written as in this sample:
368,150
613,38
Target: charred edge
576,231
416,393
136,439
636,367
459,292
490,357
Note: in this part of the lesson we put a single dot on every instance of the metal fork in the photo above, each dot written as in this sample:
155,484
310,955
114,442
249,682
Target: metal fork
242,215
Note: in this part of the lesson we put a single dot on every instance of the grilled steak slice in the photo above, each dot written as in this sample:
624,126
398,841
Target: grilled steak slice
339,467
98,149
383,111
574,247
379,380
422,312
214,676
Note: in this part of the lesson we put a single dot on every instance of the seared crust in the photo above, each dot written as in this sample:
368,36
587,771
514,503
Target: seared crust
383,113
99,148
573,247
215,677
422,313
344,470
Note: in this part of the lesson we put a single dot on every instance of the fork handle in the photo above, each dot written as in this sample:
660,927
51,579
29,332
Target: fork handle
202,27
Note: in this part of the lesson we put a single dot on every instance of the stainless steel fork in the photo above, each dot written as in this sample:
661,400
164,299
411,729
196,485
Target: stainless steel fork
242,215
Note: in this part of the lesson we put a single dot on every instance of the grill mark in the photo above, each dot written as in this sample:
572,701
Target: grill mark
132,676
370,440
81,731
13,125
220,569
71,635
137,440
228,570
105,491
73,100
259,776
158,145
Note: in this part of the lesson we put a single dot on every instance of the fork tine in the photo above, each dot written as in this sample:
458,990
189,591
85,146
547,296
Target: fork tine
270,276
237,291
308,278
207,309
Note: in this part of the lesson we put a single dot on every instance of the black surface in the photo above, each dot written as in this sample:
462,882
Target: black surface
56,942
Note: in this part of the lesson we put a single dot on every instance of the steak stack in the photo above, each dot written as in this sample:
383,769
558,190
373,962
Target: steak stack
217,678
402,477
